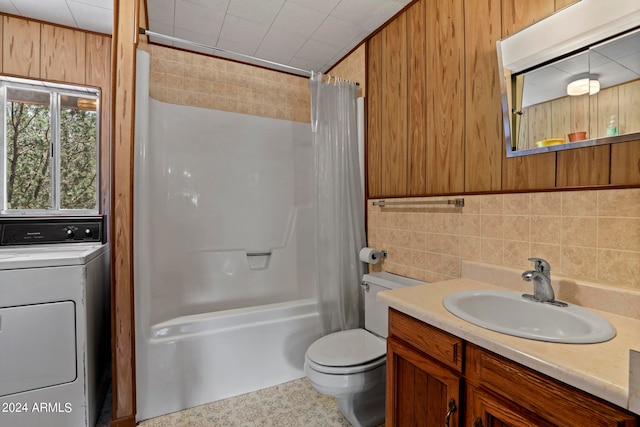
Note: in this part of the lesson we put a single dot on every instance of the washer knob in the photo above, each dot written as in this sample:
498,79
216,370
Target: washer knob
87,232
69,233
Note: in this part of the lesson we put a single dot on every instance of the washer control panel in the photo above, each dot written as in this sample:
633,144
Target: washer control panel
38,231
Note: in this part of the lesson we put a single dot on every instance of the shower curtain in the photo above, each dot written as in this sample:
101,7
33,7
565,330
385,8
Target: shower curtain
338,203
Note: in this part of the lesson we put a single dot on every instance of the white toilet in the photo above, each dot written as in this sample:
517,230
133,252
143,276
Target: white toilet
351,365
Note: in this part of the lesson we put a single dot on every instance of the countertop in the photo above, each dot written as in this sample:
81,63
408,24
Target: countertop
599,369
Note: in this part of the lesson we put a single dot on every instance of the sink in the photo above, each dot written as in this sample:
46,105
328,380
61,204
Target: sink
509,313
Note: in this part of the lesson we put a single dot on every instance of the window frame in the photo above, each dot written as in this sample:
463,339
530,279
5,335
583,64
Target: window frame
55,91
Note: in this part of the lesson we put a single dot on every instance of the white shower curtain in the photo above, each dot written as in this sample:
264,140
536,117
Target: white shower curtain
338,203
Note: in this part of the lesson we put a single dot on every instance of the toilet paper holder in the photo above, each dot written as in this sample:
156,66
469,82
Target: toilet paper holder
380,254
371,255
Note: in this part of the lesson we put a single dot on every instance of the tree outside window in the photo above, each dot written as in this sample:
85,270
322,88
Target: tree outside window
50,149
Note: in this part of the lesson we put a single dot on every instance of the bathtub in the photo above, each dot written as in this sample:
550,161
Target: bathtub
196,359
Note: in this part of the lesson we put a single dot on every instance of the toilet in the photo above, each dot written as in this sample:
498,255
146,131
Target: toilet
351,365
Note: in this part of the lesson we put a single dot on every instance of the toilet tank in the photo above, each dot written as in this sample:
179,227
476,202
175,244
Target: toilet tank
375,313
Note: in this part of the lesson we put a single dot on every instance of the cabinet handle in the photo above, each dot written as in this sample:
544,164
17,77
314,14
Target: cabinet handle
452,409
478,422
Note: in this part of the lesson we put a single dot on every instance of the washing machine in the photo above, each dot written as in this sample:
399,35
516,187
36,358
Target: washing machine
54,321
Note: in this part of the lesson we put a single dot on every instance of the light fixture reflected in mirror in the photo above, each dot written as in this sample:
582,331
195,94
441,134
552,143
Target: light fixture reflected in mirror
583,86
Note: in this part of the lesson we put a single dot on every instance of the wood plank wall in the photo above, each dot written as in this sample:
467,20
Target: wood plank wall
125,37
394,106
434,111
37,50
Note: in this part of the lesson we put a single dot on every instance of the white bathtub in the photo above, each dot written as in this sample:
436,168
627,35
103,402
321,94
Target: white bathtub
192,360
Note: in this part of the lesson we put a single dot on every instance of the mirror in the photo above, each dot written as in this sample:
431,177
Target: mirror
582,90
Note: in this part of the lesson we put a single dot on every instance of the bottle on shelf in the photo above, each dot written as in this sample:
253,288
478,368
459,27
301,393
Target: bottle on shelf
612,129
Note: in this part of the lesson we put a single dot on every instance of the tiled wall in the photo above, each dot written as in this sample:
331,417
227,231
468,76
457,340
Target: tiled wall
592,235
196,80
352,68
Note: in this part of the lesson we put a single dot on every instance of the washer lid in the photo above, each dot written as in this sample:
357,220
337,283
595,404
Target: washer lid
347,348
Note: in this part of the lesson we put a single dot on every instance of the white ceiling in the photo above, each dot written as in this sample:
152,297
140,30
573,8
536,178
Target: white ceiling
307,34
93,15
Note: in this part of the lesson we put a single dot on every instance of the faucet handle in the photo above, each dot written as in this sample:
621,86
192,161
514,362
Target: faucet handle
541,265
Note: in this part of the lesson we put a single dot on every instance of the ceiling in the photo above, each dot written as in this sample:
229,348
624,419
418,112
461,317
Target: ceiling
93,15
305,34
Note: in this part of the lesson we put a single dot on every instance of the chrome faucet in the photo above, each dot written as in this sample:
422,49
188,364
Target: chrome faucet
541,278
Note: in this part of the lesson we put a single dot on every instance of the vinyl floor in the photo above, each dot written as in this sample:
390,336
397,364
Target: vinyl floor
292,404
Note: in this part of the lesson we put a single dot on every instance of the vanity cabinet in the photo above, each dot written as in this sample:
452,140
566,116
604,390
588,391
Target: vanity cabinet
425,393
427,368
488,410
424,374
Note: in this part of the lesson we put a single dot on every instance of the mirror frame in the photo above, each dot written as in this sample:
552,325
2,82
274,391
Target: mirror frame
570,29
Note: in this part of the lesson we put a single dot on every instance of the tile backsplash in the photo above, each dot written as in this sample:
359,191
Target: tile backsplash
352,68
591,235
187,78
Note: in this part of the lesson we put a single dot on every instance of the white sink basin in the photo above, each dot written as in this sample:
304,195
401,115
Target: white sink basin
509,313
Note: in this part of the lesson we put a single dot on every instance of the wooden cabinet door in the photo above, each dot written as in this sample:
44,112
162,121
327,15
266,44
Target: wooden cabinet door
420,391
486,410
521,390
625,163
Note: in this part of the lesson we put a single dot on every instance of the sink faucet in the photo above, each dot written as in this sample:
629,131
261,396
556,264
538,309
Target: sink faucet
541,278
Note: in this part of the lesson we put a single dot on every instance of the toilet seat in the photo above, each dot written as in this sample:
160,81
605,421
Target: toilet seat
347,352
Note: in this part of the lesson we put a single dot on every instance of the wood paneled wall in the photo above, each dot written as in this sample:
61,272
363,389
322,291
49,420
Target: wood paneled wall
445,96
483,123
434,111
125,37
37,50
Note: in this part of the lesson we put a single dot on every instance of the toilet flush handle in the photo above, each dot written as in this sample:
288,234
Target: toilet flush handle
365,286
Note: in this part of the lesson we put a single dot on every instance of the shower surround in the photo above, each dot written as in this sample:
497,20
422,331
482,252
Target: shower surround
224,255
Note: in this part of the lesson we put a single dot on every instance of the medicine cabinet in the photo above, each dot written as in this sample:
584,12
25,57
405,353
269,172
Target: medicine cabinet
573,79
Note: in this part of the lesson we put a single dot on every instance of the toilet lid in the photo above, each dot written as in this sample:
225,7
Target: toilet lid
347,348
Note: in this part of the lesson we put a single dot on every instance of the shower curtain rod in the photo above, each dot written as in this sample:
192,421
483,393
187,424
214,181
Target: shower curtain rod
266,61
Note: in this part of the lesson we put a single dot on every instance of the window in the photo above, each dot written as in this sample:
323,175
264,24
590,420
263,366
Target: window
50,148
